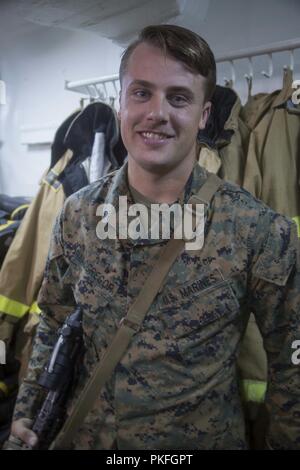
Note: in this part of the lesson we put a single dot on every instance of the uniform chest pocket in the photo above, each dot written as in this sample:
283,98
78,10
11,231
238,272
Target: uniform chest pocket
204,313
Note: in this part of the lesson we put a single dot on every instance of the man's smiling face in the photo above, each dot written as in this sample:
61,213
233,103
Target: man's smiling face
161,110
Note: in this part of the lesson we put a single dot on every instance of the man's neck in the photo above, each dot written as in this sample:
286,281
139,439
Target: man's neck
159,188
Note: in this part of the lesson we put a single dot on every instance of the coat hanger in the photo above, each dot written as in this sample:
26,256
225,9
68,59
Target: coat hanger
270,71
288,71
88,99
230,83
249,77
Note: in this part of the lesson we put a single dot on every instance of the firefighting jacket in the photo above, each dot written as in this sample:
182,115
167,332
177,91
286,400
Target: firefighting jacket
224,141
23,269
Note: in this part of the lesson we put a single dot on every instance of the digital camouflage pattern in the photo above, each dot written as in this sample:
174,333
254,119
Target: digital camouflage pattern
176,386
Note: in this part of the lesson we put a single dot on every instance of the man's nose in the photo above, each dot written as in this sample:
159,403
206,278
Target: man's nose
158,109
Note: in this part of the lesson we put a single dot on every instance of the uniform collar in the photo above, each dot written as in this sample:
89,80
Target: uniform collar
120,187
195,181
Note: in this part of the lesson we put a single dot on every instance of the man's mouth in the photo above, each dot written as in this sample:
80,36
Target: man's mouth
151,137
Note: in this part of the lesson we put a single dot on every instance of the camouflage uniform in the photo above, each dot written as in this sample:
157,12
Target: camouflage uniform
176,386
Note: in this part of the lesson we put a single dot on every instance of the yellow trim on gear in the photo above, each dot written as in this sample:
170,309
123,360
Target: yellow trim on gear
297,220
254,390
12,307
17,209
4,388
4,226
35,308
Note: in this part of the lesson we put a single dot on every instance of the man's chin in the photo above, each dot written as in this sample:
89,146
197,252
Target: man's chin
157,167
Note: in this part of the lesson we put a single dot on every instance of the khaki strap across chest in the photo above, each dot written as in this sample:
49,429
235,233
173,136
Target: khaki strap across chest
129,326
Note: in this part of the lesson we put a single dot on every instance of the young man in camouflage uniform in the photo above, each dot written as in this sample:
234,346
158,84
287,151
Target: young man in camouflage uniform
176,386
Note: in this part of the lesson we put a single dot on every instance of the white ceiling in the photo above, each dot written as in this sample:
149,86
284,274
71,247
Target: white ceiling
114,19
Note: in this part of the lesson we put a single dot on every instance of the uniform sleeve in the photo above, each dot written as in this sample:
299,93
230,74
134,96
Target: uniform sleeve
56,302
275,301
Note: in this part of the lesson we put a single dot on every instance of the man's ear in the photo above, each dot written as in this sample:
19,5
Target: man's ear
205,114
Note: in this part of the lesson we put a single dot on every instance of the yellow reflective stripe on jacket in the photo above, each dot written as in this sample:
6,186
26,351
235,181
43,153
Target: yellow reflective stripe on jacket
4,388
17,209
4,226
254,390
297,220
12,307
35,308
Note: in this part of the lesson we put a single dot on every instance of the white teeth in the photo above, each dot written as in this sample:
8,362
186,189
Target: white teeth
152,135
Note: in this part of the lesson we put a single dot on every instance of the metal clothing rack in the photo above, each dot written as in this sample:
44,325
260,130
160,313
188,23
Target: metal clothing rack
100,88
107,88
283,46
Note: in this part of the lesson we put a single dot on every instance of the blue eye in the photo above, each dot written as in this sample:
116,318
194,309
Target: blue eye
178,100
140,94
